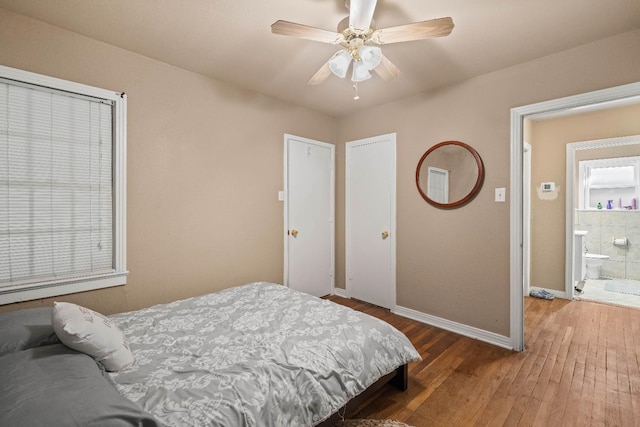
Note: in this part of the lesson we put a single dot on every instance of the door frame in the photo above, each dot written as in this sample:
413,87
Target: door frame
526,205
332,185
392,228
605,98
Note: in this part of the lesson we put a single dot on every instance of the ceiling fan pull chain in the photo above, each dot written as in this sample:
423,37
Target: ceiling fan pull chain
355,87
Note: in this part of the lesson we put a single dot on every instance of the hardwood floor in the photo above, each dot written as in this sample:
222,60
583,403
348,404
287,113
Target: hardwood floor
580,368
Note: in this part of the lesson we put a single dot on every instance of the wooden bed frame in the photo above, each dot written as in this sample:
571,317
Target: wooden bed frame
398,378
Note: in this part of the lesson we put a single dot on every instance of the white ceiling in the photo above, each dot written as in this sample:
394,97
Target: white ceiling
231,40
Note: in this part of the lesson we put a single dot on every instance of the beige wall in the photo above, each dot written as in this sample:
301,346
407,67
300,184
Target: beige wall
548,139
455,263
205,163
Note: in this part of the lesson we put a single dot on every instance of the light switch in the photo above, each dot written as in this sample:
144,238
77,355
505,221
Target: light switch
281,196
501,194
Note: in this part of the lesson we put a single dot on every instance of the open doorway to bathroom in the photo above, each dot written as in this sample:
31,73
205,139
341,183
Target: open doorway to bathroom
554,253
574,160
604,176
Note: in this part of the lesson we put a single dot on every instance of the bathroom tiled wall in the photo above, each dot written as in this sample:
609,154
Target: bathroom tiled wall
604,226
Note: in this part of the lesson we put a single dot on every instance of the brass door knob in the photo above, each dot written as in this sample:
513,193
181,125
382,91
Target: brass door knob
385,234
294,233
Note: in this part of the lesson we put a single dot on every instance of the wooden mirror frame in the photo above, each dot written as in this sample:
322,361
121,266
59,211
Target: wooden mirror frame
476,187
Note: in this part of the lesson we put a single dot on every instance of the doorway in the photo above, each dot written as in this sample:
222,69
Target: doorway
617,280
309,211
371,220
570,105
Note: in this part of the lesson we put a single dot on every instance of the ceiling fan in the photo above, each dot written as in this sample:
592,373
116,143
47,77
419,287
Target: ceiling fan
355,34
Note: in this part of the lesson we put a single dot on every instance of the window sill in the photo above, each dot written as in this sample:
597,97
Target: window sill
51,289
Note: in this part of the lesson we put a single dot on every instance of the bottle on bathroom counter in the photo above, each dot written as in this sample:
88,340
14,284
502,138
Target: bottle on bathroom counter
599,205
634,204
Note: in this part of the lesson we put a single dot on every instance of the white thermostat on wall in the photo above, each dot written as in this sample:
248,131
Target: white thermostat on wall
548,186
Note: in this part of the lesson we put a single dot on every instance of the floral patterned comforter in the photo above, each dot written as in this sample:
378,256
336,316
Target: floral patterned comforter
255,355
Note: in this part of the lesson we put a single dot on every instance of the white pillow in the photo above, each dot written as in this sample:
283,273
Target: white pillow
91,333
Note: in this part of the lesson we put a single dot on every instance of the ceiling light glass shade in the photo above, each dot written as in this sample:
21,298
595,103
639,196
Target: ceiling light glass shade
371,56
339,64
360,72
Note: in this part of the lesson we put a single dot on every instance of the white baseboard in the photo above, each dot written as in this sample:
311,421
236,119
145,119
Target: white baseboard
438,322
458,328
340,292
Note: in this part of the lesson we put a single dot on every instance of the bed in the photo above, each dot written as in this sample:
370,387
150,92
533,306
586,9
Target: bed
254,355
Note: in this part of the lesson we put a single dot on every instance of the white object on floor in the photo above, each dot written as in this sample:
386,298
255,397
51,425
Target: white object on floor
594,262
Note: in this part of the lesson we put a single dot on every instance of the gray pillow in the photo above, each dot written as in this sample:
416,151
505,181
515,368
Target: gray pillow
24,329
56,386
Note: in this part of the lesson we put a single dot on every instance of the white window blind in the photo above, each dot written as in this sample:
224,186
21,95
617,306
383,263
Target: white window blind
613,176
56,187
602,180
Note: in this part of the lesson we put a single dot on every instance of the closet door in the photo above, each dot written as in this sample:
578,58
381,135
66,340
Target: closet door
370,220
309,215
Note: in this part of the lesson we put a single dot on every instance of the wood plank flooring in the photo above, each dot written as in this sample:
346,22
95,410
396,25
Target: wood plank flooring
581,367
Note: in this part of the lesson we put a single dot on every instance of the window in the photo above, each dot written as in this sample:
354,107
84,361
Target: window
615,180
62,187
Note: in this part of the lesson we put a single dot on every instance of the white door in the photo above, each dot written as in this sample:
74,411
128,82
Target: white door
309,215
438,184
370,220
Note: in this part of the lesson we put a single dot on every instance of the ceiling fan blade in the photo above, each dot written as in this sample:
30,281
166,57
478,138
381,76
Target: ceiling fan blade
386,70
321,75
287,28
417,31
361,13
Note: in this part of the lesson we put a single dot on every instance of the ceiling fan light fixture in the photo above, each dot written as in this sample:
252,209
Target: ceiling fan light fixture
360,72
339,64
354,34
371,56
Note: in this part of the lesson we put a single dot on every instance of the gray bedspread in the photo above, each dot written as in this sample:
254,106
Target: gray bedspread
255,355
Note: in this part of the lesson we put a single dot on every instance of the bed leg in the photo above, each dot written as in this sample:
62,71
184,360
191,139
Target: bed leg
401,380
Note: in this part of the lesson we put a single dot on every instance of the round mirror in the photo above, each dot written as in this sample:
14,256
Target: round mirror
449,174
